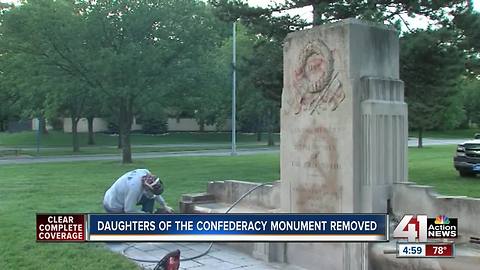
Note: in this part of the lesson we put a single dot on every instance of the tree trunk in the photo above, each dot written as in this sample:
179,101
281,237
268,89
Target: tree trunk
91,135
75,143
2,125
126,150
43,125
259,134
316,15
120,143
420,138
258,129
271,141
126,119
119,128
201,125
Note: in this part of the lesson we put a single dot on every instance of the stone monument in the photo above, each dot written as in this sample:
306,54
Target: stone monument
343,130
343,140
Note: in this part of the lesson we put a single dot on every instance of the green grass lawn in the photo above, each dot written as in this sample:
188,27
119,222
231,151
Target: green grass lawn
56,139
102,150
60,139
79,187
434,166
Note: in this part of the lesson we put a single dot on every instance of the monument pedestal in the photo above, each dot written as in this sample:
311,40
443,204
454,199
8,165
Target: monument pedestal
343,140
343,130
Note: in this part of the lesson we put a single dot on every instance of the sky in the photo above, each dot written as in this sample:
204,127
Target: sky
476,3
306,12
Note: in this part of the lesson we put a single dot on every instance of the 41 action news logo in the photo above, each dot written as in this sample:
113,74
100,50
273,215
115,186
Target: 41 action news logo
419,228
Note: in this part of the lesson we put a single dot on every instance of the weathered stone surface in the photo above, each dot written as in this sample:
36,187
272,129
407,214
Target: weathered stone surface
198,197
188,201
343,138
229,191
383,145
410,198
343,130
334,74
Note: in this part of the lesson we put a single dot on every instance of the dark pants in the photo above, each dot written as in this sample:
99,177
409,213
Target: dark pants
147,204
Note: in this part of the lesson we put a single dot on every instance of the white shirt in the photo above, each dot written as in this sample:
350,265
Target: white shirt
127,191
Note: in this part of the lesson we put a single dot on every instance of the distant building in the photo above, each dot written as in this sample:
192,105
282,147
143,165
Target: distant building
101,125
174,124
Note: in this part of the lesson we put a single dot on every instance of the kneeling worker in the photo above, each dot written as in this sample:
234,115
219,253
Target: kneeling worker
137,187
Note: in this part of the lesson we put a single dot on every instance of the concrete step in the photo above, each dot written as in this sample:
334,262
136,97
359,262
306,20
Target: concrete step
188,201
202,197
221,207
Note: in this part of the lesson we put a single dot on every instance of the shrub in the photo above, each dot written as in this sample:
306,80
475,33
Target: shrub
154,125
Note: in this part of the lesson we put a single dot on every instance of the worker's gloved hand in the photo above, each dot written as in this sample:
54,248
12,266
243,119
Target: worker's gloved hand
169,210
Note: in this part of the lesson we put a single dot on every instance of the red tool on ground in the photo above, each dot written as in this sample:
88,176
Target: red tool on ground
171,261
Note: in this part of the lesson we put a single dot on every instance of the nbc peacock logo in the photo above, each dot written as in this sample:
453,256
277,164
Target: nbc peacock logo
442,219
442,227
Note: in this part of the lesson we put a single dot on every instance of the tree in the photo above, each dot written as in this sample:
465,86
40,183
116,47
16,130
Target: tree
430,66
93,108
273,20
43,56
254,110
267,77
203,93
263,66
471,99
9,97
128,52
9,103
144,54
248,102
467,25
28,95
268,24
68,98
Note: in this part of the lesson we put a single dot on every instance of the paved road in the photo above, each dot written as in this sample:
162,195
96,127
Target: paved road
413,142
222,152
163,145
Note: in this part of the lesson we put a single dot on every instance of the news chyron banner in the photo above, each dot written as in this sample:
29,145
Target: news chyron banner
213,227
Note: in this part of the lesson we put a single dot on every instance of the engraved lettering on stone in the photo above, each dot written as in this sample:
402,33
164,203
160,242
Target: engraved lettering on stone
320,148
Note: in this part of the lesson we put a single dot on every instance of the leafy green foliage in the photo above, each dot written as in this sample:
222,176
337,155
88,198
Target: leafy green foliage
127,53
381,11
272,26
431,67
271,23
468,26
9,105
154,124
267,57
471,101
